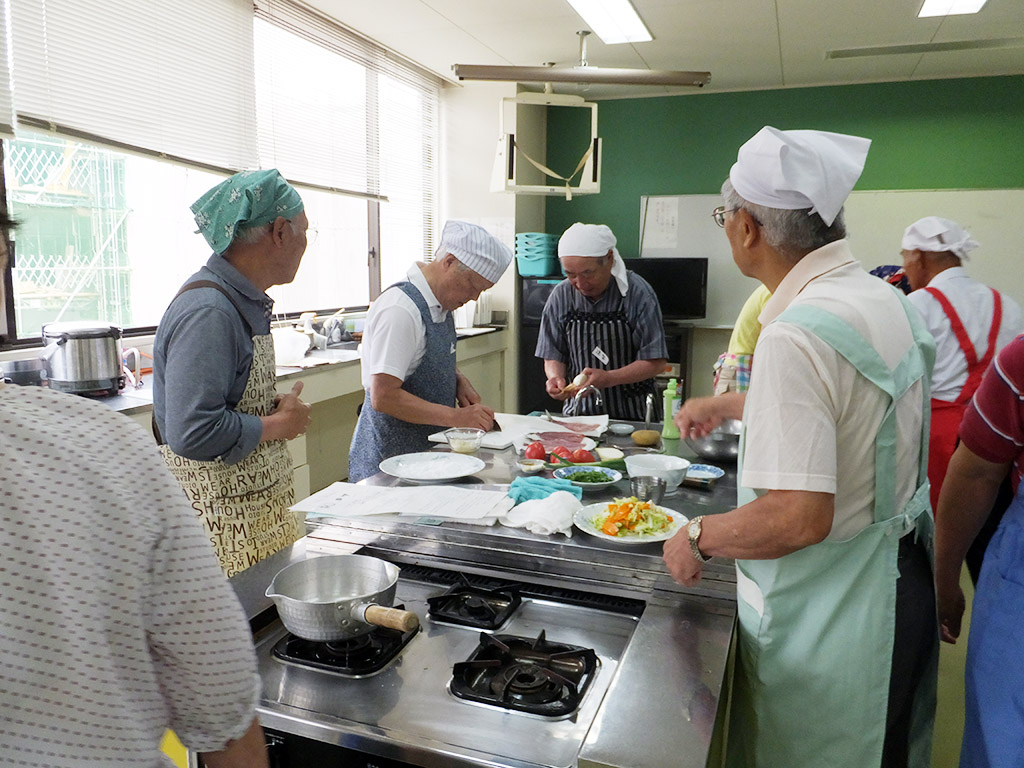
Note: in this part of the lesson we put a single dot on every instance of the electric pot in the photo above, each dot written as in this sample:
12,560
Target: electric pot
29,371
83,357
338,597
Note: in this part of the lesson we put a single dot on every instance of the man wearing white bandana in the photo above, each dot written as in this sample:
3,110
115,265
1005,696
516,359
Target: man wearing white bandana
408,354
970,322
602,322
832,538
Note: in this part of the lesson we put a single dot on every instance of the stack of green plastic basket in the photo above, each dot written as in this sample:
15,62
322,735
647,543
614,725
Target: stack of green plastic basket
537,254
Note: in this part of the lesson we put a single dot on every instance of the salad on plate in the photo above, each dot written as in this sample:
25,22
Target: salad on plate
631,518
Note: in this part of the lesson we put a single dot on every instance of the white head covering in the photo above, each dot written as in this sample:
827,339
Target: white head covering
937,235
792,170
593,241
475,247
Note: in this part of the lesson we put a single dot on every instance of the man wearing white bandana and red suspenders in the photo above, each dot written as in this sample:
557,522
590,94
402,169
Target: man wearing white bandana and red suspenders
970,322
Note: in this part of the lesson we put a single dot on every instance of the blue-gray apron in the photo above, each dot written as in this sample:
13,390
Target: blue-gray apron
994,722
379,436
816,627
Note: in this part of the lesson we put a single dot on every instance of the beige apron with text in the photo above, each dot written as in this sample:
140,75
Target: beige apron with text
245,506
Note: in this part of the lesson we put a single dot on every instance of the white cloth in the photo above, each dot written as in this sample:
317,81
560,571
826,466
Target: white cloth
394,339
544,516
117,621
792,170
475,247
810,418
972,302
936,235
594,241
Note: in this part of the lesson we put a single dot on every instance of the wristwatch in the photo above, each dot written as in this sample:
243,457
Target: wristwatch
693,531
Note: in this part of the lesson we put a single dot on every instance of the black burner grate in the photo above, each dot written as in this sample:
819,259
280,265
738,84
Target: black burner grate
473,606
356,657
525,674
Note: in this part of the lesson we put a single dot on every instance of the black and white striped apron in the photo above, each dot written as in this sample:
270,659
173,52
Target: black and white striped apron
587,335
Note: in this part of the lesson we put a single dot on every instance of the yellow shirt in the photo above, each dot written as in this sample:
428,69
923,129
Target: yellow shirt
748,327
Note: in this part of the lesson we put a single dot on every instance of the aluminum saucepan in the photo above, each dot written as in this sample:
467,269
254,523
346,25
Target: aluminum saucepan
337,597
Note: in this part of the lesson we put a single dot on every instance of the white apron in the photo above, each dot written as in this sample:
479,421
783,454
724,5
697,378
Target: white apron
245,506
812,680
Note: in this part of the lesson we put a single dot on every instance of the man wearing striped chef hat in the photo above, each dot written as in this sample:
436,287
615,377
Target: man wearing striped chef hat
408,353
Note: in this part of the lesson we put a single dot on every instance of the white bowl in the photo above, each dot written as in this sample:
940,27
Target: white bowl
618,428
672,469
464,439
529,466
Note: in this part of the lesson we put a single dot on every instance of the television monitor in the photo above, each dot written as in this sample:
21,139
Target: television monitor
681,285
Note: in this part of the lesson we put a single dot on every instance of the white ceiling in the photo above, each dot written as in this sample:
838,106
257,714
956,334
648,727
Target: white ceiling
745,44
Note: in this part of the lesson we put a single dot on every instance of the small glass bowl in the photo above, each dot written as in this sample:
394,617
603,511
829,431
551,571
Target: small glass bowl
464,439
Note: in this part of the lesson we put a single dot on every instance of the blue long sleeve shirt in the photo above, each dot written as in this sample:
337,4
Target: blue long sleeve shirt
202,355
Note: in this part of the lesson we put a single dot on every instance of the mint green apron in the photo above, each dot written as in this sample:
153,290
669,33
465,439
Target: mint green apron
812,684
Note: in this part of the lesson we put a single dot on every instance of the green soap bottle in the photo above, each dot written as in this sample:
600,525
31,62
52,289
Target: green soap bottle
672,404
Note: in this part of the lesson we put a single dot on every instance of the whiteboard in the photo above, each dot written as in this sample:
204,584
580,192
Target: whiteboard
681,226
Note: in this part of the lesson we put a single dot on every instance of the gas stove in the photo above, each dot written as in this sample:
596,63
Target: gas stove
521,691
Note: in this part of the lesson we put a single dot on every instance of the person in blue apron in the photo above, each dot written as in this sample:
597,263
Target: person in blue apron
412,385
991,435
604,322
837,637
216,412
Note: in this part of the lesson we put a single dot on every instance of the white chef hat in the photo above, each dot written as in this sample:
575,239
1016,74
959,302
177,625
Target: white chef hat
594,241
937,235
793,170
475,247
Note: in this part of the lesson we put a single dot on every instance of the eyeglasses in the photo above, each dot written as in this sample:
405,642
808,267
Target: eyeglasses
719,214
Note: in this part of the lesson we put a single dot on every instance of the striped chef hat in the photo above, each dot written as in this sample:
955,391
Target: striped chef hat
475,247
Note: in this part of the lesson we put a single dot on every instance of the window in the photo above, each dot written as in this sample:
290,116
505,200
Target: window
106,232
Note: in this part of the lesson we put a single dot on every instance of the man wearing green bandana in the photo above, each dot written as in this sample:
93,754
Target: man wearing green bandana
221,424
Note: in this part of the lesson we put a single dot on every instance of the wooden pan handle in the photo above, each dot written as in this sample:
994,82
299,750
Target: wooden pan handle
392,618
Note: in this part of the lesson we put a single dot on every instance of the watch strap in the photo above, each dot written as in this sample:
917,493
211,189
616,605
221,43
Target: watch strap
694,540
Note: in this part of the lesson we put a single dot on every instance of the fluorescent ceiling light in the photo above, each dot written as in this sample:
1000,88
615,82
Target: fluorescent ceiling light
614,21
949,7
591,75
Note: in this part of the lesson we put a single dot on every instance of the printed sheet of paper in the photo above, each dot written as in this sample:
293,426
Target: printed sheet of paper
435,501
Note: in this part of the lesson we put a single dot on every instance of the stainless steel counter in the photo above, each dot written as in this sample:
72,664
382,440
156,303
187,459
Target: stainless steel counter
660,706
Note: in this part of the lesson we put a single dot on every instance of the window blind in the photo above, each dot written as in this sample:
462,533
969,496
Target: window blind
172,79
363,122
6,105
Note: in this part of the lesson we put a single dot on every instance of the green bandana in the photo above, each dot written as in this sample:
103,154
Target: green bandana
246,200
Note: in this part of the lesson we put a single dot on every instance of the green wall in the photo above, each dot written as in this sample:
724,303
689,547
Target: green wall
935,134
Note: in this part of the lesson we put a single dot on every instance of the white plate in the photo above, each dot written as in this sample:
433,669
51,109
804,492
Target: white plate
582,521
588,443
431,467
565,473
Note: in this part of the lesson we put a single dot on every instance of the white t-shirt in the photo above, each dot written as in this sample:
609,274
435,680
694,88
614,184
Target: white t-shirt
116,621
810,417
394,339
972,302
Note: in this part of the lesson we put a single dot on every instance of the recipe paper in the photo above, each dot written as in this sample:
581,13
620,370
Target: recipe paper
463,504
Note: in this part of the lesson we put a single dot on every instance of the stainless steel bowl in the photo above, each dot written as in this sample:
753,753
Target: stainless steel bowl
648,488
721,444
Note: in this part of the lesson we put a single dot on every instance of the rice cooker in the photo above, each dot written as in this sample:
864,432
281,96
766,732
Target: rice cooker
83,357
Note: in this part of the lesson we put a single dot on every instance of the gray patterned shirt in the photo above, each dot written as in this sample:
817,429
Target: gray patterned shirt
116,622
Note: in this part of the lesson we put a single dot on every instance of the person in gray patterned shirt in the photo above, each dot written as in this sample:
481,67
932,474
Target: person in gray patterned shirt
116,622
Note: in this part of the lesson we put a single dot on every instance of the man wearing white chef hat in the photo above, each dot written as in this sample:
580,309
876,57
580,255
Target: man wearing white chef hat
602,323
970,322
838,640
408,353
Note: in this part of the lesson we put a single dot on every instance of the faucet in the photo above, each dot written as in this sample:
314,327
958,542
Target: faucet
580,393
